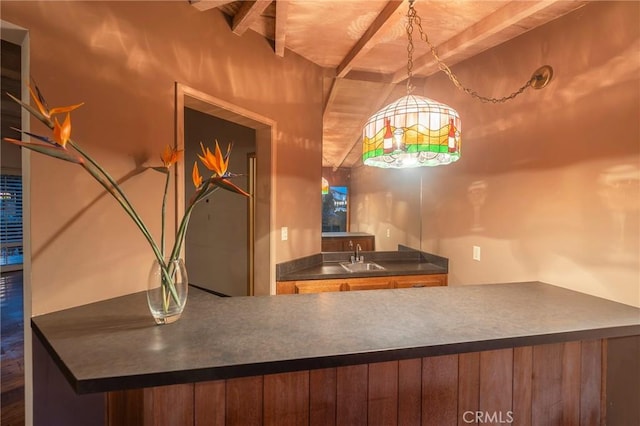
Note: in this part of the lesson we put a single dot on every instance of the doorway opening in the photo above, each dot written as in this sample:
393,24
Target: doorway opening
258,266
217,248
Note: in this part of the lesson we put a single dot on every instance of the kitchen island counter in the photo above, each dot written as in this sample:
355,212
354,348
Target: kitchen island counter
114,344
528,352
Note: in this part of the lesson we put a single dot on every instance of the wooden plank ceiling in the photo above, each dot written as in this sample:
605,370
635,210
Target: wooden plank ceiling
362,44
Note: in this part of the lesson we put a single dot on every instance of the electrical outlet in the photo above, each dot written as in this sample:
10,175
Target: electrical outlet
476,253
284,233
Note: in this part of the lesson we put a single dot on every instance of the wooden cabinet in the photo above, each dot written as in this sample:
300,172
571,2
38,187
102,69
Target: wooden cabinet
318,286
356,284
342,243
377,283
413,281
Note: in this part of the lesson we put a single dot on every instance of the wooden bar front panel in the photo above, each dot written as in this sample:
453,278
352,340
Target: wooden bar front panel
553,384
410,392
522,377
322,397
440,390
383,393
286,399
351,395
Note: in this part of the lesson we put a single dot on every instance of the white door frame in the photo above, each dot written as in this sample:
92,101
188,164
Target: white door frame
264,261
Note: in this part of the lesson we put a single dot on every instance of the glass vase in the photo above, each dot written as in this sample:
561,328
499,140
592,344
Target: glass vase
167,291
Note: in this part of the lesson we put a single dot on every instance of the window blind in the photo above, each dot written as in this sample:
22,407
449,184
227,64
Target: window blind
10,219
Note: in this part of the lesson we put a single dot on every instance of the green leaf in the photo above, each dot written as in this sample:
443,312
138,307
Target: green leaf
46,149
33,135
161,169
228,185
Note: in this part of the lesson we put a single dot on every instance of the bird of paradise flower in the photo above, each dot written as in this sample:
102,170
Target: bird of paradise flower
58,146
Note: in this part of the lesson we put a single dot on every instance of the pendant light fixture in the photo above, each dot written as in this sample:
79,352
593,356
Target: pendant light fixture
416,131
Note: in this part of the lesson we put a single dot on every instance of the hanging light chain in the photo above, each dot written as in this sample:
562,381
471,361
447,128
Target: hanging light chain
413,17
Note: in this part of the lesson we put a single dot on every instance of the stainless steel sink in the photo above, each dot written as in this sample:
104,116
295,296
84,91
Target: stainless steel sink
361,267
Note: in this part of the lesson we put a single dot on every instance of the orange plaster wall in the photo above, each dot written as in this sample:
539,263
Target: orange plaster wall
555,173
122,60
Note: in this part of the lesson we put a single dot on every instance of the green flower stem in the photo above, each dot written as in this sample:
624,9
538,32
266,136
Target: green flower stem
165,299
184,224
181,233
112,188
164,208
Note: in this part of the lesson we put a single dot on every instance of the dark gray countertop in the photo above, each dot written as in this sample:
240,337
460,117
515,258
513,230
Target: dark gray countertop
115,344
405,261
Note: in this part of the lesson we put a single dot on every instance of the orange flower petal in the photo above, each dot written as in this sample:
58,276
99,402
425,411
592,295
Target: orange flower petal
166,155
41,107
210,161
62,133
195,175
60,110
177,155
222,163
53,111
170,156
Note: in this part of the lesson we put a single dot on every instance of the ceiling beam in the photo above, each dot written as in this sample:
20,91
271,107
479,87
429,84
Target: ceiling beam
282,8
369,39
333,92
372,77
203,5
247,14
506,17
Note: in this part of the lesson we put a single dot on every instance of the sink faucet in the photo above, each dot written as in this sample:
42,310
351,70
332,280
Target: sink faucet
355,257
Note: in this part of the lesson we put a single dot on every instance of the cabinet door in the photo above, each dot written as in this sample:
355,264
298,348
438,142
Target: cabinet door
409,281
318,286
369,286
285,287
373,283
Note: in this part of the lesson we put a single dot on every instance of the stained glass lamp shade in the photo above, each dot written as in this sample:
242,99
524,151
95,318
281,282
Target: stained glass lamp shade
414,131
